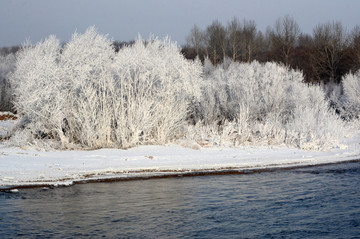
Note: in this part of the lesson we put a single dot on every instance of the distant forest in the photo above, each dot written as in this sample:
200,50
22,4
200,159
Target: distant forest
330,52
325,56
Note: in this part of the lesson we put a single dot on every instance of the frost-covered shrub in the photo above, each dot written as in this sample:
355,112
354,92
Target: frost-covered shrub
313,124
89,96
345,97
258,89
264,104
7,66
351,98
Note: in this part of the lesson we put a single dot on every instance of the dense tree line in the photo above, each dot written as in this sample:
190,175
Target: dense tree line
84,94
325,56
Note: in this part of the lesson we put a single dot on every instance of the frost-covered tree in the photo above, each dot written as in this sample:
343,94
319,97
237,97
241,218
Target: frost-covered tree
87,95
161,85
345,97
264,104
351,98
7,66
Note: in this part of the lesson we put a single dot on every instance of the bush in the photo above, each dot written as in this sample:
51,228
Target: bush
345,97
267,103
87,95
351,98
7,66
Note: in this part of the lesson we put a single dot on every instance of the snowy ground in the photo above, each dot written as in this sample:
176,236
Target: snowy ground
20,167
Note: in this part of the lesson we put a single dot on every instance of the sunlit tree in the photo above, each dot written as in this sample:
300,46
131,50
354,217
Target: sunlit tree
87,95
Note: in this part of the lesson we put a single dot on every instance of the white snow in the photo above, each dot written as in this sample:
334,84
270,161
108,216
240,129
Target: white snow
24,167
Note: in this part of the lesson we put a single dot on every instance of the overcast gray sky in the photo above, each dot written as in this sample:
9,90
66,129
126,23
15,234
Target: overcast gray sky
124,19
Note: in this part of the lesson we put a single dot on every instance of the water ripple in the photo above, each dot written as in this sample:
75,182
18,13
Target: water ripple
316,202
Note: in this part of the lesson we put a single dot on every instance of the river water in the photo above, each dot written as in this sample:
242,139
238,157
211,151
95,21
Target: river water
313,202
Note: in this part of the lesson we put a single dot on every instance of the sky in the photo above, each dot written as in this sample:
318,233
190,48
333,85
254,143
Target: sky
124,20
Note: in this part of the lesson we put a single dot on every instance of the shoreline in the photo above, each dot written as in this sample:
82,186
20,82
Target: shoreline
28,167
155,174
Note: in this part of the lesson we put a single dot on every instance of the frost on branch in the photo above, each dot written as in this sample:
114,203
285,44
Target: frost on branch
86,95
345,98
263,104
351,98
7,66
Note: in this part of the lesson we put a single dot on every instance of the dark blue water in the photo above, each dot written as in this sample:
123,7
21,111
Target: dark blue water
316,202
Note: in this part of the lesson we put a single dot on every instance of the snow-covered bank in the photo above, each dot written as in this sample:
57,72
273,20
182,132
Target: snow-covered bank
28,167
31,167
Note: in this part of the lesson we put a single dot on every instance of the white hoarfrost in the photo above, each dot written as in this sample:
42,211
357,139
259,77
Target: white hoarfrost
264,104
7,66
86,95
351,101
345,99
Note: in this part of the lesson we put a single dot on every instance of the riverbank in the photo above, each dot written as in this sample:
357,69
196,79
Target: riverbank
21,167
29,167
